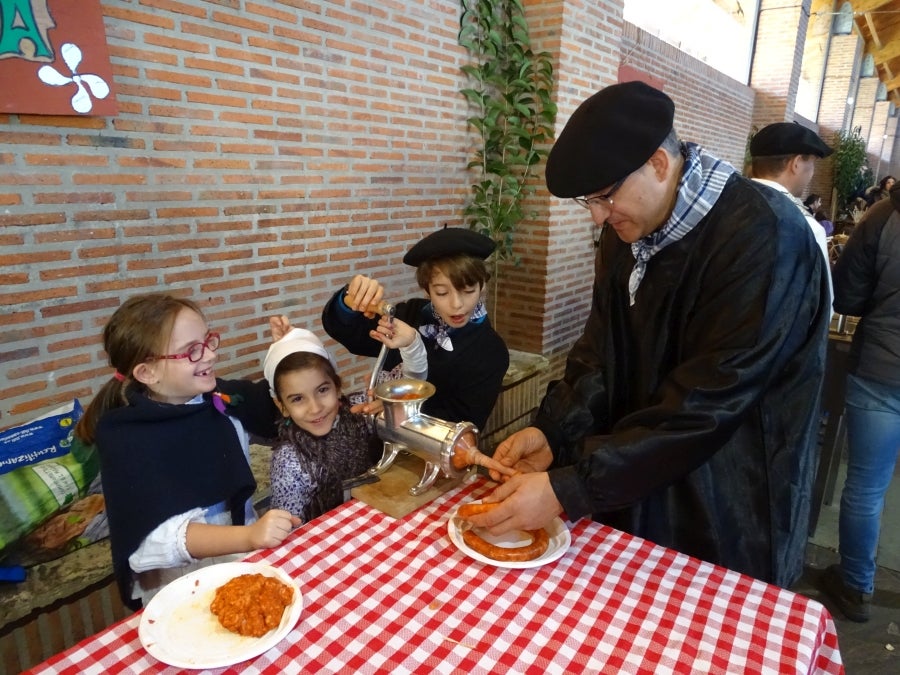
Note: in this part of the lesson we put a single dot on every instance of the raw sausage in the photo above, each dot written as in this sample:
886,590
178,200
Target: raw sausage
540,540
466,453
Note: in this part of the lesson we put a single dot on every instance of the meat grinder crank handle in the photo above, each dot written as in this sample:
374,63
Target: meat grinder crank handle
379,362
387,310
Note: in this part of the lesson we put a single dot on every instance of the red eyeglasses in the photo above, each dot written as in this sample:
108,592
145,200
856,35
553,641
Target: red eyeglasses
195,352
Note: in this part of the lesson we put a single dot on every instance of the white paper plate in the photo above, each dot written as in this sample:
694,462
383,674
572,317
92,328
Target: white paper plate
560,540
178,628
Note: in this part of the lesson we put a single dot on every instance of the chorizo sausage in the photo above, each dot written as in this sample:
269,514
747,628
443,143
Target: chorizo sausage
474,508
540,540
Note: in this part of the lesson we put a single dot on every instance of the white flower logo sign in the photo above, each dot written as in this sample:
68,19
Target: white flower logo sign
81,100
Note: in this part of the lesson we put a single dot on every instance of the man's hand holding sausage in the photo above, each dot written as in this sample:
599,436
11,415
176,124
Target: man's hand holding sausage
526,451
528,500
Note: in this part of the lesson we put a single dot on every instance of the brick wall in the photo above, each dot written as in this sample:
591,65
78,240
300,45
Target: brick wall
262,154
864,105
841,82
586,40
775,72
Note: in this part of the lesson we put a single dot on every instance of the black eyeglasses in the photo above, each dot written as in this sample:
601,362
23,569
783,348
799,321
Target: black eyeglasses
195,352
601,200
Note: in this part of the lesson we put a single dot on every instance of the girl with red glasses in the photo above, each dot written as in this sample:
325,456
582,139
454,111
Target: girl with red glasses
174,448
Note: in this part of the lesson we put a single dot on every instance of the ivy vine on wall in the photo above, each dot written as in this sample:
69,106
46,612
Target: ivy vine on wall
512,113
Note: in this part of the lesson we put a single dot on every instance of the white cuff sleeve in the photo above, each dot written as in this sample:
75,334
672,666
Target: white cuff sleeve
415,359
166,546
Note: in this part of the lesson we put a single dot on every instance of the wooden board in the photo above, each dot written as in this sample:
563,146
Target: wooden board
390,494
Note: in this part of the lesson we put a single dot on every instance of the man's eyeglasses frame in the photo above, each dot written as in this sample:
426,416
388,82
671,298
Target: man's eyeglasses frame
605,199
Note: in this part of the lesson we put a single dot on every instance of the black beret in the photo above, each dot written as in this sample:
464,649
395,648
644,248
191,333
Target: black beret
450,241
787,138
609,135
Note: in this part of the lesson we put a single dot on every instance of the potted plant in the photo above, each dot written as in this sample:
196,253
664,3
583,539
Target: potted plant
850,170
513,117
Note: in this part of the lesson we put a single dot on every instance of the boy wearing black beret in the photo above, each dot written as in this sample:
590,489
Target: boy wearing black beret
688,409
467,359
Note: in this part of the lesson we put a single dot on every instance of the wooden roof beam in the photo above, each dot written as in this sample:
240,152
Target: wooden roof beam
885,54
865,6
874,31
893,83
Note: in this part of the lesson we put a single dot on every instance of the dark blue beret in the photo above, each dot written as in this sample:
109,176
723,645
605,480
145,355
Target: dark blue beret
609,136
450,241
787,138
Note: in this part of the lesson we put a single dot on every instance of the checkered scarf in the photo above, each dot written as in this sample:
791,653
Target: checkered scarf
440,332
701,184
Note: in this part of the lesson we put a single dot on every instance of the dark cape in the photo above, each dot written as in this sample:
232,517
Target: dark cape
690,418
158,460
467,380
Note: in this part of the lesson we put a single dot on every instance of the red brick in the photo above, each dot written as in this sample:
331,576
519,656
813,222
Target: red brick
215,65
112,214
65,160
80,271
78,308
49,402
25,297
190,28
132,284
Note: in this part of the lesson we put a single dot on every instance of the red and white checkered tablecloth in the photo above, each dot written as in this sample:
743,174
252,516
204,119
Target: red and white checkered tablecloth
396,596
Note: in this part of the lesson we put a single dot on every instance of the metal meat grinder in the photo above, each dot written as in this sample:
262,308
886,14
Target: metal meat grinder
402,426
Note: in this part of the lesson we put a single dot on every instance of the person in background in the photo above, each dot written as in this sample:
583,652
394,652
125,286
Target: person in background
174,452
322,445
783,157
467,359
881,191
867,285
688,410
823,220
813,203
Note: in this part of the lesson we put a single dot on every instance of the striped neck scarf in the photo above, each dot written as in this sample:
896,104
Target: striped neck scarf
701,184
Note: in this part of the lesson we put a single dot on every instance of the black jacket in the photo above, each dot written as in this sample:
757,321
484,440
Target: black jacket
867,285
689,419
467,380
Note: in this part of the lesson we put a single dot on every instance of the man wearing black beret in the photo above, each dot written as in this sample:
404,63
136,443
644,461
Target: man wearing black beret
783,158
688,409
467,359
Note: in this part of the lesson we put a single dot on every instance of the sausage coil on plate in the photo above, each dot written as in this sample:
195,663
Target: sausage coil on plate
540,540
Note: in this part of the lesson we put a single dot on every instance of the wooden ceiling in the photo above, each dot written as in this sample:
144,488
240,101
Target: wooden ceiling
878,22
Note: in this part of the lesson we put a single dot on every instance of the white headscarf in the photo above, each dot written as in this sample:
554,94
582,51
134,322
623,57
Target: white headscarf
295,340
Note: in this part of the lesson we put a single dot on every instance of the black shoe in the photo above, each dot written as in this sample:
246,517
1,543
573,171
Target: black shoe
854,604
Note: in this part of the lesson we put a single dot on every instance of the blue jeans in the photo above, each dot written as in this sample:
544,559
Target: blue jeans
873,442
